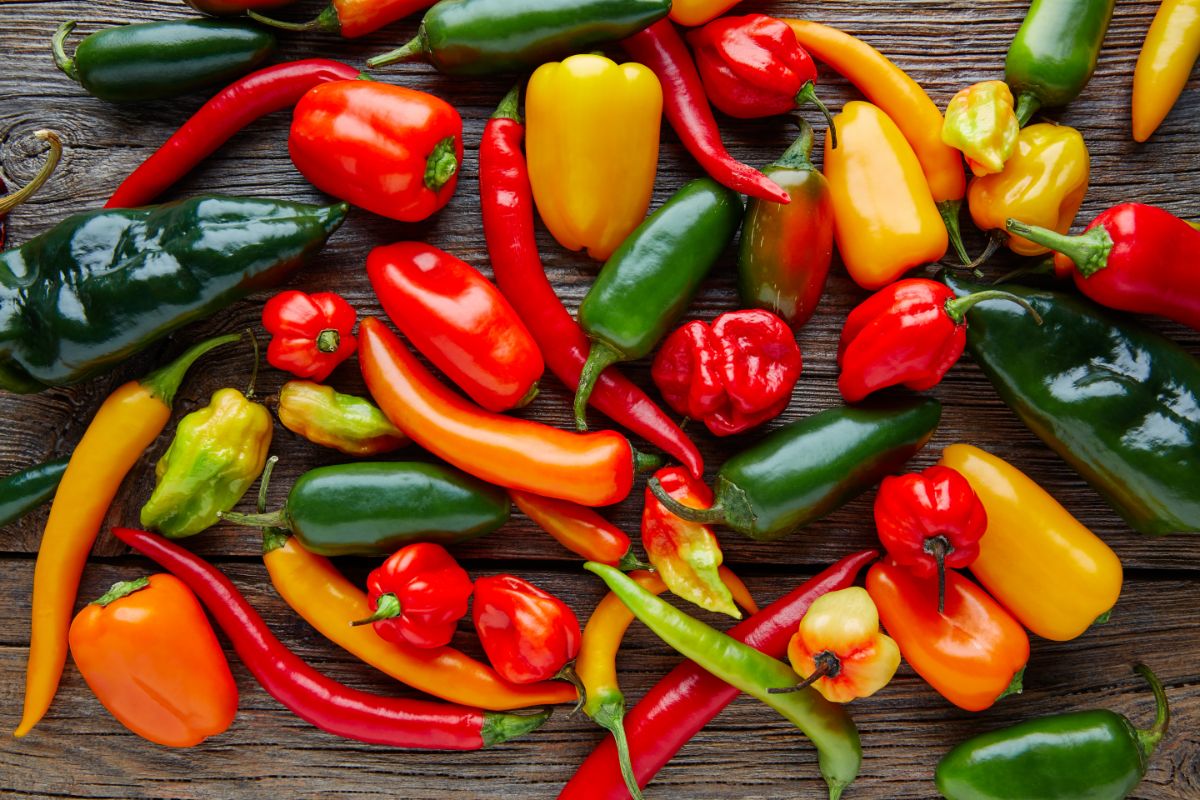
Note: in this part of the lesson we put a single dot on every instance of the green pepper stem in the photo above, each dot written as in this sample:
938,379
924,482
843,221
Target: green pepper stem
273,538
950,209
1015,686
707,516
500,727
164,382
808,94
417,49
1089,250
329,340
1148,739
387,606
529,396
611,717
442,164
1027,106
568,674
600,358
828,666
645,462
629,562
939,547
995,242
326,22
510,106
957,307
122,589
254,368
1104,618
61,59
273,519
53,156
799,155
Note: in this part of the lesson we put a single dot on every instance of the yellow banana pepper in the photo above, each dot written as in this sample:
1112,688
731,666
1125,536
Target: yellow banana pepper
592,143
982,123
1042,564
885,219
1171,49
1042,184
690,13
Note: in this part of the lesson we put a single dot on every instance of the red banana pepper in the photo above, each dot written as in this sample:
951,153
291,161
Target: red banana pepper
910,332
688,698
527,633
579,529
350,18
930,521
311,334
233,108
418,595
734,375
662,49
507,201
1132,257
321,701
459,321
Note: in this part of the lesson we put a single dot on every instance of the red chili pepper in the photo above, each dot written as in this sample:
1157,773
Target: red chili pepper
688,698
233,8
910,332
311,334
233,108
735,375
661,48
459,321
527,633
418,595
350,18
508,227
325,703
579,529
930,521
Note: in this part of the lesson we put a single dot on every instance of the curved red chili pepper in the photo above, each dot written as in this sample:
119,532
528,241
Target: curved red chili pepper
310,334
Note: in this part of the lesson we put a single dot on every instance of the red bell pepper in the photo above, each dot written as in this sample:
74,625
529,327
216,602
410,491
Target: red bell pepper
734,375
528,634
911,332
459,320
930,521
418,595
391,150
311,334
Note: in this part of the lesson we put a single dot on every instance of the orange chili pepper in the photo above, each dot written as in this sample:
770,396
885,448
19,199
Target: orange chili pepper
592,469
579,529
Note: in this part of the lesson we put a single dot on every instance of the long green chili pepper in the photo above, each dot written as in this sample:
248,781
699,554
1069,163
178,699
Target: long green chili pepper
24,491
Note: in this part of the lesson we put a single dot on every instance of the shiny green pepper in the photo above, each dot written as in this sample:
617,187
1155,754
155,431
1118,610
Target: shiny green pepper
217,453
344,422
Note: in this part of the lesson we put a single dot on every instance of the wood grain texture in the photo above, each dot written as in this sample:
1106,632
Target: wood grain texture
79,751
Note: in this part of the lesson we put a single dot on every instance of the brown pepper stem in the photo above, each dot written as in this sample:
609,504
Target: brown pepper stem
828,666
939,547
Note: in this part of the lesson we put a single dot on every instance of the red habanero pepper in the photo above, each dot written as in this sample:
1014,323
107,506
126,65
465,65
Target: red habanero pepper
507,201
662,49
350,18
579,529
459,321
321,701
260,93
310,334
418,595
527,633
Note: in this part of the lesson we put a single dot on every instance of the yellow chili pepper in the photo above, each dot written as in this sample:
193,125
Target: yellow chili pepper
885,219
982,123
1052,573
1171,49
127,423
1042,184
592,141
690,13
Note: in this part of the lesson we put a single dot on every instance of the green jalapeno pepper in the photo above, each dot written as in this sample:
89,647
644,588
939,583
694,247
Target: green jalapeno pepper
1054,53
156,60
1116,400
24,491
344,422
376,508
1094,754
813,466
650,280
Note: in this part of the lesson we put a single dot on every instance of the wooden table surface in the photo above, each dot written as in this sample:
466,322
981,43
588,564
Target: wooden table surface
748,752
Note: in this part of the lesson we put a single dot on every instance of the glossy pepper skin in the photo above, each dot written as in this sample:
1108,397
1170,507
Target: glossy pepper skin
391,150
98,299
885,219
1165,63
157,60
418,596
579,529
734,374
527,633
592,180
349,424
22,492
1053,574
149,655
350,18
1096,754
310,333
1069,381
982,123
690,13
651,279
458,320
1054,53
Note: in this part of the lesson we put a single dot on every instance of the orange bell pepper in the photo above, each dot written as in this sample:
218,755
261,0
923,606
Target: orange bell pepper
691,13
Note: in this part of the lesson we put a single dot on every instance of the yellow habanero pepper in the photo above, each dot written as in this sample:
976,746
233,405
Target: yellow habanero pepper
1171,49
690,13
592,142
1042,184
982,122
1042,564
885,219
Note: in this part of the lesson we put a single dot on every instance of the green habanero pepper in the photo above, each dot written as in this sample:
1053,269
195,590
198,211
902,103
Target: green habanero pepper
375,508
1094,754
344,422
156,60
1118,402
813,466
103,285
24,491
481,37
827,724
648,283
1054,53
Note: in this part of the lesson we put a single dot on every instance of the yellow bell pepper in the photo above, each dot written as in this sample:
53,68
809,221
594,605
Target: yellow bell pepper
1042,184
982,123
1042,564
885,219
592,143
697,12
1171,49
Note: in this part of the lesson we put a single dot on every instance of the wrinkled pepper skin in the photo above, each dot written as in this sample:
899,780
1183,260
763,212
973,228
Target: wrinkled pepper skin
527,633
24,491
311,334
982,123
98,298
346,423
418,596
1165,64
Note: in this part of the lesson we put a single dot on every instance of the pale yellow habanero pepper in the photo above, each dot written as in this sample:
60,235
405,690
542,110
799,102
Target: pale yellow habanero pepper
982,123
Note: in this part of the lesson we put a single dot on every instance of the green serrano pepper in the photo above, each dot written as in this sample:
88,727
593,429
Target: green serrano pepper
480,37
24,491
155,60
648,283
813,466
827,724
1118,402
